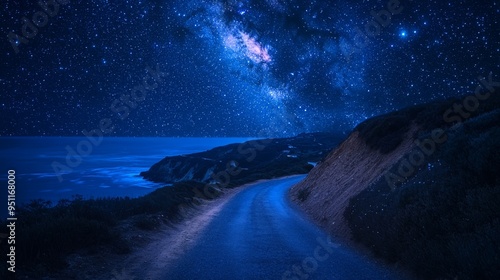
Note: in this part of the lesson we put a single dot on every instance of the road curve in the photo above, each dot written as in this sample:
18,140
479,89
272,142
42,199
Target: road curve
260,235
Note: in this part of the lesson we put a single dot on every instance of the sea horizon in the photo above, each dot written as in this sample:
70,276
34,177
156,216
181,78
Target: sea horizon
110,170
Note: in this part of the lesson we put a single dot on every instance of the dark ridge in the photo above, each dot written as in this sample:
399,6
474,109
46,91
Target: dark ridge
386,132
257,159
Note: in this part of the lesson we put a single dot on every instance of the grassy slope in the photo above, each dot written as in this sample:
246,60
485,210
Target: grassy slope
443,220
45,235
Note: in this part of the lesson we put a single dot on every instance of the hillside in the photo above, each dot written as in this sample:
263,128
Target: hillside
419,187
236,164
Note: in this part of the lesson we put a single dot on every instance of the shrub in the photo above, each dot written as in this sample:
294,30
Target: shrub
46,235
146,222
444,221
384,133
303,194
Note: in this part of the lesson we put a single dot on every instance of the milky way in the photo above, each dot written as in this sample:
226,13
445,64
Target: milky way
236,68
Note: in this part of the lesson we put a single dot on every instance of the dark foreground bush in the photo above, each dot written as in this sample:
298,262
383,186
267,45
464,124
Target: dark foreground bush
443,221
46,234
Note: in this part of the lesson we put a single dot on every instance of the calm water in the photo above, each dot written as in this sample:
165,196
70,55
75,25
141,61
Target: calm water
111,169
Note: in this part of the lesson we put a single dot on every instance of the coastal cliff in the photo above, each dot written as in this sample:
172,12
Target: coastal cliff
418,187
240,163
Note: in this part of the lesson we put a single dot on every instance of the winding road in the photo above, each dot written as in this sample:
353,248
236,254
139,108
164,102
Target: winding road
258,234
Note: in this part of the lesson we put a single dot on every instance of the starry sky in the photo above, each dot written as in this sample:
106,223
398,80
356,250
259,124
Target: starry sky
220,68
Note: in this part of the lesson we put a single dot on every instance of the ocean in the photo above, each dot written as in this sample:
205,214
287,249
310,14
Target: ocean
111,168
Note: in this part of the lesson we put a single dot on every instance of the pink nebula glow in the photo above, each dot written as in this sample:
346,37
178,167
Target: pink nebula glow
244,43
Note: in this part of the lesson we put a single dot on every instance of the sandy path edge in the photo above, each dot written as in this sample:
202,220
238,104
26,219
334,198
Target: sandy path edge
156,257
163,252
153,251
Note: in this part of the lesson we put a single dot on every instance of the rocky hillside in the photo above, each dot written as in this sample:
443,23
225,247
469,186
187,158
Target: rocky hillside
419,187
348,170
236,164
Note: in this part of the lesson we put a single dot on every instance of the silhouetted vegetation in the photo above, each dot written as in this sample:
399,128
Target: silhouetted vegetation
443,221
46,234
386,132
303,194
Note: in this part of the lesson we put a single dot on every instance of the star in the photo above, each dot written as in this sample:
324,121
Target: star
233,67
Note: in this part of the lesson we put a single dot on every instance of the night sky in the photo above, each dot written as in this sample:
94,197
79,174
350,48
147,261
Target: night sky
235,68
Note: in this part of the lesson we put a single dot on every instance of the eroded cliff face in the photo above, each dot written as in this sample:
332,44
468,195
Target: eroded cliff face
344,173
378,147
